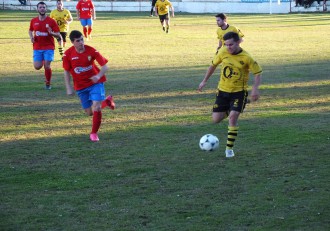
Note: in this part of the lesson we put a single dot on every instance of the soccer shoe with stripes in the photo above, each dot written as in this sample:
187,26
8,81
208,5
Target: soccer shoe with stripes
108,102
94,137
230,153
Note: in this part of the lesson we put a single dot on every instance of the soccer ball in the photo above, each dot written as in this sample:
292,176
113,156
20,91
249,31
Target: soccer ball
209,142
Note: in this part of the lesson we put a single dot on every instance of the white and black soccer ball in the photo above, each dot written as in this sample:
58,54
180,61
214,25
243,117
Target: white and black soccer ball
209,142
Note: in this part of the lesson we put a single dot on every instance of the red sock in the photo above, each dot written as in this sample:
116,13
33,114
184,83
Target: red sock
97,117
89,30
85,32
48,75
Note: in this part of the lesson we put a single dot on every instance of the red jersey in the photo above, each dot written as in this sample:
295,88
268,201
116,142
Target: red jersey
85,9
42,39
82,66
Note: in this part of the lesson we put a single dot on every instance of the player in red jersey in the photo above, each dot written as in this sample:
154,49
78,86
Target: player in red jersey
86,14
88,79
41,32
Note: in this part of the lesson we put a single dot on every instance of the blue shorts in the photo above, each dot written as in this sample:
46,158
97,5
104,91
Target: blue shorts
86,22
87,95
41,55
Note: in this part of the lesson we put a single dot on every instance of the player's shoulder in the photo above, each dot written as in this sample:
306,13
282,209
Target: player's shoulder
90,49
35,19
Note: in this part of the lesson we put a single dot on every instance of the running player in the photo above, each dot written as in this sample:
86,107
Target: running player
41,32
162,9
224,28
86,14
63,18
232,93
88,79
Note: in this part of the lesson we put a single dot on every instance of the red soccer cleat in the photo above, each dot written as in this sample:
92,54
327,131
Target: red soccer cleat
108,102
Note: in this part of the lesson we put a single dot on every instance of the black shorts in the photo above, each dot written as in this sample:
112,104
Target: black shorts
63,34
225,101
163,17
153,2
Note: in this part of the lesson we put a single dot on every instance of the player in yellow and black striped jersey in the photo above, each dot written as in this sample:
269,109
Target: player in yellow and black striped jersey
63,18
162,8
224,28
231,98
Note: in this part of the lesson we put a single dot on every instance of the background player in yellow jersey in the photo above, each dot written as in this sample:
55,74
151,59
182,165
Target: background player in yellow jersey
232,93
63,18
162,9
224,28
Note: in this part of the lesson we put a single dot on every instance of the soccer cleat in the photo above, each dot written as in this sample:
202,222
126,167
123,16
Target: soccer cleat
167,30
230,153
94,137
108,102
48,87
163,28
89,37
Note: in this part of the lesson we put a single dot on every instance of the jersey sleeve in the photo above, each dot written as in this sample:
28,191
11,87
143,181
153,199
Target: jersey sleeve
239,32
54,26
66,61
68,14
78,5
100,59
255,67
217,58
31,25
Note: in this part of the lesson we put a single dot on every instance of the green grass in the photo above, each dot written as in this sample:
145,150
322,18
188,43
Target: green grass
147,172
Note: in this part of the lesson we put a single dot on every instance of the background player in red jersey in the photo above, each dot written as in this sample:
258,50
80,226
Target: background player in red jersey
86,14
88,79
41,32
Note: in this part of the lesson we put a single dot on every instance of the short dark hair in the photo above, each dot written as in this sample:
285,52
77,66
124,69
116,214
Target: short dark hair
222,16
41,3
74,35
231,35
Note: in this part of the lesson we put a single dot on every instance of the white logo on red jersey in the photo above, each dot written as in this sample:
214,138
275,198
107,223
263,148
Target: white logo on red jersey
79,70
39,33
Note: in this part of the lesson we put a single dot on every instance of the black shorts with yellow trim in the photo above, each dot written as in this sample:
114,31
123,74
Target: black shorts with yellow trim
163,17
234,101
63,34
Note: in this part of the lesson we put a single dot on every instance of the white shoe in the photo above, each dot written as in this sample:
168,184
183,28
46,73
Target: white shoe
230,153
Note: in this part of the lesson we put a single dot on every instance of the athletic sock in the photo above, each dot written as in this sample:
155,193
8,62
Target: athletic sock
60,50
97,117
232,134
85,32
89,31
48,76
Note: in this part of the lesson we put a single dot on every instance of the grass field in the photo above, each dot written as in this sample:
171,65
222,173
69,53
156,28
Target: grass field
147,172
